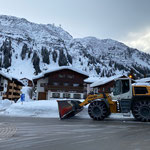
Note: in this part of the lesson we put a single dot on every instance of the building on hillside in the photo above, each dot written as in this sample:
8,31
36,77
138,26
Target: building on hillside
105,84
10,87
88,82
27,82
61,82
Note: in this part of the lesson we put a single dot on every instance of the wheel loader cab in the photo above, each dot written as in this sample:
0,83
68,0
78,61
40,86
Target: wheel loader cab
122,89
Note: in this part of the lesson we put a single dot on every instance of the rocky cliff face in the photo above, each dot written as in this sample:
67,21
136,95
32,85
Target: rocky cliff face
27,48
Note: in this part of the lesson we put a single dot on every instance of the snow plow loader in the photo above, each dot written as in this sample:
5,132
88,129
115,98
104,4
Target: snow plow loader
125,98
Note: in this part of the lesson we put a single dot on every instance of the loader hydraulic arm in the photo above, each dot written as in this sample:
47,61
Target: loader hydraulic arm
69,108
90,98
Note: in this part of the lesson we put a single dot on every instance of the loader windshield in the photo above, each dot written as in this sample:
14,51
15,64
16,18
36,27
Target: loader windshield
121,86
117,88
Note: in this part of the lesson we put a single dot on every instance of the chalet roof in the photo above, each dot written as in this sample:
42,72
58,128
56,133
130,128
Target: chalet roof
58,69
5,75
11,78
141,83
105,80
91,79
143,80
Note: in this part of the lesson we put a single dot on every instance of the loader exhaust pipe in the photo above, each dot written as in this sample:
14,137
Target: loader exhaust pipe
68,108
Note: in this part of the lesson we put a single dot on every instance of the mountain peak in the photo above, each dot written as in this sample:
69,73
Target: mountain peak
27,48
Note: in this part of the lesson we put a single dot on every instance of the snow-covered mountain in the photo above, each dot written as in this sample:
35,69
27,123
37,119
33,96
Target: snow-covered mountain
27,48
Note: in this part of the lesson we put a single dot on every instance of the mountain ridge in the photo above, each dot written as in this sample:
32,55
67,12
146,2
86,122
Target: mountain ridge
41,47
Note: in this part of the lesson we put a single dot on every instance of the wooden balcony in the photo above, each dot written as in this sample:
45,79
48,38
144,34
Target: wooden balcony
11,96
15,85
64,88
15,91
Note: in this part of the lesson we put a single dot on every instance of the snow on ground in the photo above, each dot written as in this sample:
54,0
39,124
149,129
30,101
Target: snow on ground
36,108
4,104
42,108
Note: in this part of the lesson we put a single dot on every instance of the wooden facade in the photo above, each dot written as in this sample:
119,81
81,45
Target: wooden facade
107,86
64,83
10,88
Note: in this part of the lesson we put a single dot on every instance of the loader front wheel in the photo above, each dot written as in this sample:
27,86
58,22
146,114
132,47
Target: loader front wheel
141,110
98,110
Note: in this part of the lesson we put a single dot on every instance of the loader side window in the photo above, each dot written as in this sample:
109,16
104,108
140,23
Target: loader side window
125,86
140,90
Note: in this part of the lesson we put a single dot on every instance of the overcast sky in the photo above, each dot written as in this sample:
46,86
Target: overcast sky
123,20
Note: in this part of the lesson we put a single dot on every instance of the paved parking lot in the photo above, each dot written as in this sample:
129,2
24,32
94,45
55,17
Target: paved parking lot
7,131
53,134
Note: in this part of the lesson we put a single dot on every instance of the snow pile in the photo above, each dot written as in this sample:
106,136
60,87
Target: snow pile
4,104
27,91
44,108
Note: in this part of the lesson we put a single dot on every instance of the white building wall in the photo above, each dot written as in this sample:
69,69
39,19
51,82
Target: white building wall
39,88
4,84
61,95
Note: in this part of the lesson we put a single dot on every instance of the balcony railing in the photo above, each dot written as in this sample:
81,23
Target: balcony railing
64,88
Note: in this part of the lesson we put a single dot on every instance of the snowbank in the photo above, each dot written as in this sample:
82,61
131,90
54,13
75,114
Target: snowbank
4,104
42,108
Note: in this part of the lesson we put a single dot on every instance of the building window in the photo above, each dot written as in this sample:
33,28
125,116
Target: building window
75,85
42,85
66,95
66,84
103,89
56,95
70,76
55,83
61,76
1,88
77,96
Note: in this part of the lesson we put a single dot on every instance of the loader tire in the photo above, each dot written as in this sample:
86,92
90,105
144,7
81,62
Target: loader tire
98,110
141,110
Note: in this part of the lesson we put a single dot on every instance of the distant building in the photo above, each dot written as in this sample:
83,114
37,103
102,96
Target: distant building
10,87
61,82
105,84
27,82
88,82
143,80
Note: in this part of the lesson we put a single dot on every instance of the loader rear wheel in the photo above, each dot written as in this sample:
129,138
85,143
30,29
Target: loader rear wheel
98,110
141,110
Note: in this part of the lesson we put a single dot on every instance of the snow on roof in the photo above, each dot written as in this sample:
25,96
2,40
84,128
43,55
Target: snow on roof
143,80
5,75
91,79
140,83
10,77
105,80
58,69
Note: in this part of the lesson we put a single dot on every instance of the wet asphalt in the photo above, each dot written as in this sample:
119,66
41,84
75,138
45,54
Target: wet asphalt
22,133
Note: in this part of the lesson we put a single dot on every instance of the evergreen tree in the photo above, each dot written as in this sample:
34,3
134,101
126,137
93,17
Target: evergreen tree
24,51
36,62
69,58
62,59
98,70
29,54
45,55
54,55
6,50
